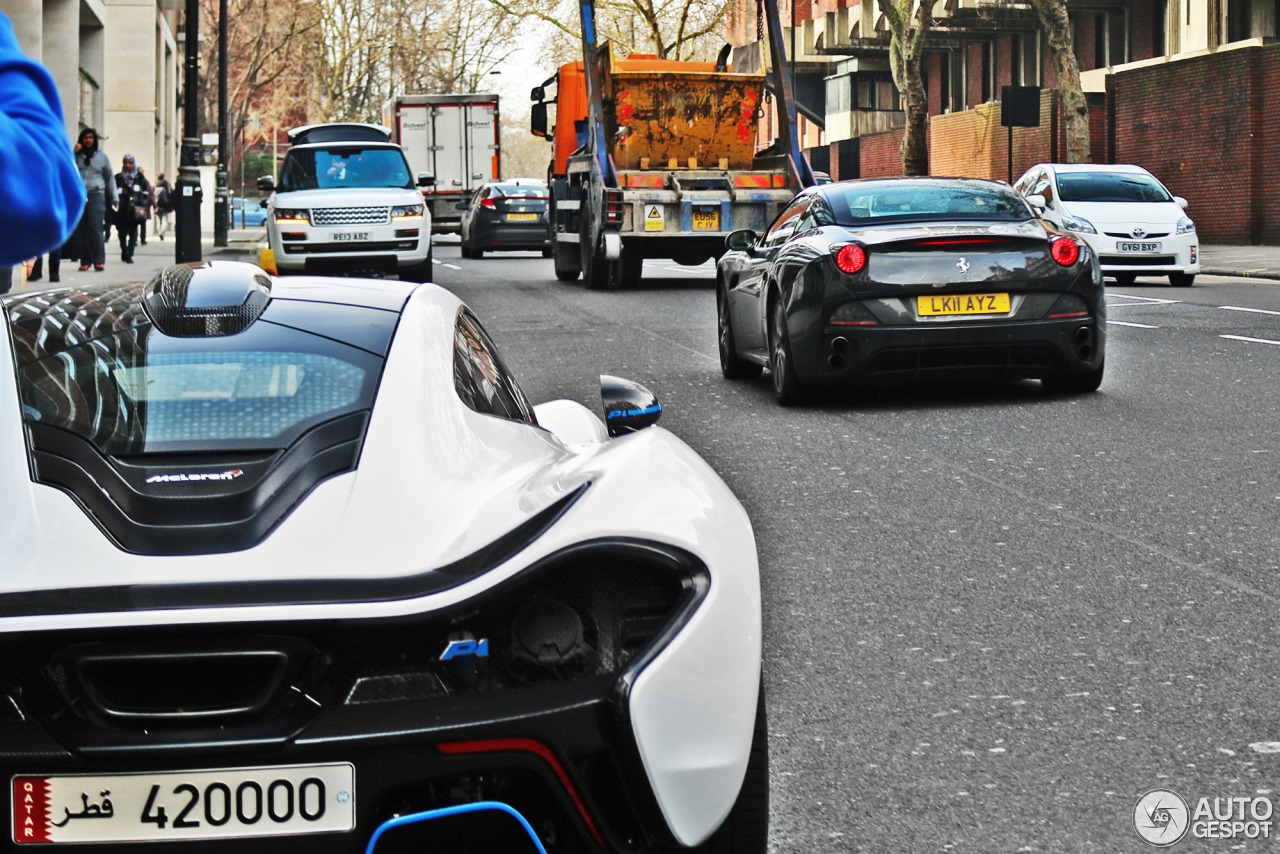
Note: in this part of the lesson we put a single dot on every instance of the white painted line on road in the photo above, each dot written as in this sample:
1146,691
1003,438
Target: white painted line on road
1254,310
445,264
1141,300
1136,325
1251,340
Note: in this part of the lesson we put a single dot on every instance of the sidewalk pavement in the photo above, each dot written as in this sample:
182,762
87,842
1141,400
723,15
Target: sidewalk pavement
1261,262
242,245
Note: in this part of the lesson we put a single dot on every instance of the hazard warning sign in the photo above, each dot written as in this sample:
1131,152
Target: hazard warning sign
653,218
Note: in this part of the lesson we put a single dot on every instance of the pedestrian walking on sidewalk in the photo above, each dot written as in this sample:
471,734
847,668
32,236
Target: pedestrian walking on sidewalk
163,197
40,195
100,188
134,206
55,262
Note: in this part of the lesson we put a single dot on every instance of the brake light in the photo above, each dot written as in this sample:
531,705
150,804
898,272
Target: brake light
613,206
488,203
850,258
1065,251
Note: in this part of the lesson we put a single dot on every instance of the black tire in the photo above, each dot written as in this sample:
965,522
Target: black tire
1074,383
1182,280
597,272
733,366
421,273
787,387
746,829
466,250
632,268
477,253
548,252
566,264
1125,279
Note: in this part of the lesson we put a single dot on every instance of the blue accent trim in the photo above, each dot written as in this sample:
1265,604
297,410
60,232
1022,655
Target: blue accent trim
632,413
458,810
686,215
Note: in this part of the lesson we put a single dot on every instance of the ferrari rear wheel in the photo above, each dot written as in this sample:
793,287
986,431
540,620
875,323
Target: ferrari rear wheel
787,387
746,829
1074,383
733,366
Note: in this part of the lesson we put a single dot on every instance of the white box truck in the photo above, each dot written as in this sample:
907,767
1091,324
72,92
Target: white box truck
455,138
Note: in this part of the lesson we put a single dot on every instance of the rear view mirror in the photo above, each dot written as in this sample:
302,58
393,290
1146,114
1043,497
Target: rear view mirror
538,119
628,406
267,184
1180,202
479,828
1037,201
426,179
538,94
742,240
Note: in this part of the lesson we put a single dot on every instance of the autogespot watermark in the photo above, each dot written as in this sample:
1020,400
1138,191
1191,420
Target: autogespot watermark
1163,818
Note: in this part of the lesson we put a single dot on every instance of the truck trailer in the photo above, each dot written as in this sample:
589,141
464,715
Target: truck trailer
656,158
455,138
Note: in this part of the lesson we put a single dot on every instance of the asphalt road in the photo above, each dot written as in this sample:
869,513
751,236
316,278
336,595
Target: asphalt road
993,618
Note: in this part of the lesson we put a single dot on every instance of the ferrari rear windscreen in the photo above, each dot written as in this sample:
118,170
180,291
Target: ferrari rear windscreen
863,204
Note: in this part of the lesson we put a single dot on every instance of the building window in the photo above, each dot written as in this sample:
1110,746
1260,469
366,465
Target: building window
988,71
955,79
88,100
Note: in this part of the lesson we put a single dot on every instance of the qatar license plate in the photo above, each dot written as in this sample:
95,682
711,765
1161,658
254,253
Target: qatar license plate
171,806
1130,246
522,217
350,235
951,304
706,220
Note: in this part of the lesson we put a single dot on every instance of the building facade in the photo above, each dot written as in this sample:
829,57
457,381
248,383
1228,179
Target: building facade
116,66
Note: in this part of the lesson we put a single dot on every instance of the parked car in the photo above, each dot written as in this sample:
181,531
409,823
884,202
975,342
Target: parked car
892,280
286,559
246,213
507,216
347,203
1132,222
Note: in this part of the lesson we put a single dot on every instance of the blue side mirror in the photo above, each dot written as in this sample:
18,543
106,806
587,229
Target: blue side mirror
478,828
628,406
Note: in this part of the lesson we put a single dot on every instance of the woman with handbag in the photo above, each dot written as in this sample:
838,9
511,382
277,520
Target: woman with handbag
134,194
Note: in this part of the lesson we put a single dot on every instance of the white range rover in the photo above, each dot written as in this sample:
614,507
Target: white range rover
347,203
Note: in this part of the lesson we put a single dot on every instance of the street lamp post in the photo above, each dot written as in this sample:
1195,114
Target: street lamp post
220,203
187,207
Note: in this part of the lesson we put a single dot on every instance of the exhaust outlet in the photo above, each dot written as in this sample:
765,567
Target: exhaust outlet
1084,334
840,345
835,360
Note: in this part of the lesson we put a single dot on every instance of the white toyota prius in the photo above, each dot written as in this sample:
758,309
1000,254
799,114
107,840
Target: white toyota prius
1133,223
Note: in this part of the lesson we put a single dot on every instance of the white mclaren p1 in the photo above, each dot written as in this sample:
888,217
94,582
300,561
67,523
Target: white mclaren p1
293,565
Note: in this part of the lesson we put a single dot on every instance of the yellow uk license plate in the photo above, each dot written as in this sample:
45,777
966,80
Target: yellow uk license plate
944,304
522,217
706,220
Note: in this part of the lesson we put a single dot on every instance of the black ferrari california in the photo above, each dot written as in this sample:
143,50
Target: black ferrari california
882,281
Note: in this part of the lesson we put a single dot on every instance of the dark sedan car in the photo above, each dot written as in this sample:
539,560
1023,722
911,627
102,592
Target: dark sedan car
506,216
889,280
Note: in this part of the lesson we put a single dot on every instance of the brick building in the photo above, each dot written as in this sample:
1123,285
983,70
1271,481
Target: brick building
1203,72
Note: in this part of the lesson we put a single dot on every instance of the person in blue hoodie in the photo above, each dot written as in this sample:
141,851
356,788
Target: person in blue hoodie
41,194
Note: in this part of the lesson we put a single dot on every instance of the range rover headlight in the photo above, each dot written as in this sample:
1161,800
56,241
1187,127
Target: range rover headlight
293,216
1078,225
1186,226
406,212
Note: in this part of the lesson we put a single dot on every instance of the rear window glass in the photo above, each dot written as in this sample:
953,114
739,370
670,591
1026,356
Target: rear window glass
863,204
521,192
341,166
1110,187
135,391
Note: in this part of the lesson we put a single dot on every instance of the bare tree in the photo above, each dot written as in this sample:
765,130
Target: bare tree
1075,107
669,29
906,54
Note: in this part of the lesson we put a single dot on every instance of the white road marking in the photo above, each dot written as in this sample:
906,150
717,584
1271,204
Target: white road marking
1254,310
1141,300
445,264
1251,340
1137,325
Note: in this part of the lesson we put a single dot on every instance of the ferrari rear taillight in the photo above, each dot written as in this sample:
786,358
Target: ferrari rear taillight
613,206
1065,251
850,258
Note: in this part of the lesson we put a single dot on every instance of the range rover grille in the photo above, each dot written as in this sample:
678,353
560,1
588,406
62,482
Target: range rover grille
350,216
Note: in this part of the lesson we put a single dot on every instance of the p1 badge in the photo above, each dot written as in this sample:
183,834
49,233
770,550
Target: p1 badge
1160,817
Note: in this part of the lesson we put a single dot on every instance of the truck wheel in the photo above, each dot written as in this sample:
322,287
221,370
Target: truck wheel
597,271
632,268
566,264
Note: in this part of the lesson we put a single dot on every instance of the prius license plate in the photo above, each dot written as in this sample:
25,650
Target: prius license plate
1131,246
350,235
951,304
706,220
185,805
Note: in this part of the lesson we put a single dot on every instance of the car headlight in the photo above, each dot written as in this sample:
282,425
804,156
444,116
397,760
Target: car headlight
406,212
1078,225
1186,226
293,216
